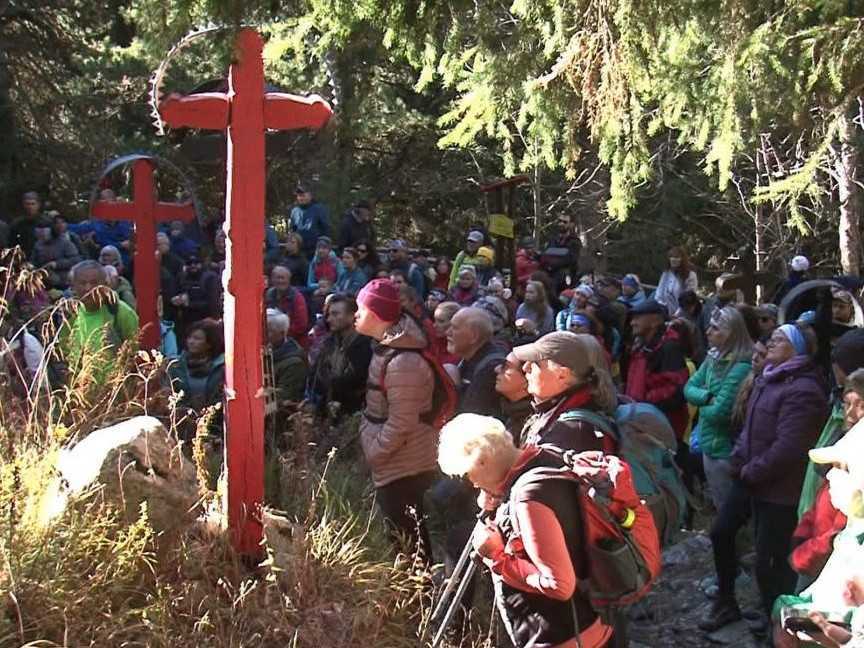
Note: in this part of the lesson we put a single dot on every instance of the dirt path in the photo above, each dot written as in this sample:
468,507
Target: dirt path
668,616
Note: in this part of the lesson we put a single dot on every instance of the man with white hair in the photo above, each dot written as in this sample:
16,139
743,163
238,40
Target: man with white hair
286,364
95,331
470,338
121,286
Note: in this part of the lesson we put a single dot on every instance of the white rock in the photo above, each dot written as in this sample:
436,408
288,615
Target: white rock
132,462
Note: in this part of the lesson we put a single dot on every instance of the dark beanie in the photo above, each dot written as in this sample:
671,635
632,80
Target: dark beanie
381,296
848,352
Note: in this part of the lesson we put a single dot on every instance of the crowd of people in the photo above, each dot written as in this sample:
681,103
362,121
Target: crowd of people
407,340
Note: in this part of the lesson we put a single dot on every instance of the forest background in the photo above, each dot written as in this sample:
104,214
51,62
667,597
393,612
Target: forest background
731,126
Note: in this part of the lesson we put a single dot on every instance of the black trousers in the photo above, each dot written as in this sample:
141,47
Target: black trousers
773,528
732,516
401,504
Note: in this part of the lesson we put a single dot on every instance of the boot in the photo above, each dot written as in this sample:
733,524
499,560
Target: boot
722,612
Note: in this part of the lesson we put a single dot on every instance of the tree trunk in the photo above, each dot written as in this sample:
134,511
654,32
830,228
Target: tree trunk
759,231
538,202
849,191
8,136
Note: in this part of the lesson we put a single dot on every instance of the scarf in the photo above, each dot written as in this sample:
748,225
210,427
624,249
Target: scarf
772,371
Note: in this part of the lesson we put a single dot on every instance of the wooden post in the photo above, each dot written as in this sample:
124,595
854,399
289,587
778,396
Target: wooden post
506,250
245,112
144,211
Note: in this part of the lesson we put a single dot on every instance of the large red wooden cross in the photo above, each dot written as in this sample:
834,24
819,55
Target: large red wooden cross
144,211
246,111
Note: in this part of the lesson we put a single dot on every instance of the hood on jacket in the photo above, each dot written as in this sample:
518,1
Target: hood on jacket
287,349
405,334
331,257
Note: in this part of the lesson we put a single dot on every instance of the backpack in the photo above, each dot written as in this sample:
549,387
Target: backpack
444,396
620,541
556,258
647,442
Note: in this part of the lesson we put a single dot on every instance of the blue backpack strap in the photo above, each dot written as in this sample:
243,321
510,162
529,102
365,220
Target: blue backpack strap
602,423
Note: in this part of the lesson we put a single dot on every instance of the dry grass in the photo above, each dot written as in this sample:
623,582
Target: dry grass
87,578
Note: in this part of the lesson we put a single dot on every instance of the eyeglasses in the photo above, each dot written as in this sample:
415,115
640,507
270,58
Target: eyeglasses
776,341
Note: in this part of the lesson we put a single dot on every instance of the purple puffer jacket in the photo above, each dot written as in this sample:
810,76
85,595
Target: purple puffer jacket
786,412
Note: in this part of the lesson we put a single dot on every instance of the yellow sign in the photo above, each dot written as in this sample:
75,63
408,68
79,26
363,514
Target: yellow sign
500,225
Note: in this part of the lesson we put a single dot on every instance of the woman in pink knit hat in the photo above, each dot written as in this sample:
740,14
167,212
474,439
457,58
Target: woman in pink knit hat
398,440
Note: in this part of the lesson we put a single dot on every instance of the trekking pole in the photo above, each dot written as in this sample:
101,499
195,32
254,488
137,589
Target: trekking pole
451,585
457,600
454,580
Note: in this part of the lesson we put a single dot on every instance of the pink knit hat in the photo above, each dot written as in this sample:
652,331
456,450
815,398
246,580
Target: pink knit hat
381,296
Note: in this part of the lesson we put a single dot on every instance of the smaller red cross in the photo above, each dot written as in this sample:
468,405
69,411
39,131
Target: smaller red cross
144,211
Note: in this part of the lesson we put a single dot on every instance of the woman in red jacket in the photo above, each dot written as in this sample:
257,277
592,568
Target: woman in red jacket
533,547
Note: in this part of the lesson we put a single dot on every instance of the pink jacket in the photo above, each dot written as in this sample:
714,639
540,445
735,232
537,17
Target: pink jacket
395,441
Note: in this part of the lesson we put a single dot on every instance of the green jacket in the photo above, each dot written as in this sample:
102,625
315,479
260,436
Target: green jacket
93,337
813,479
214,383
289,369
462,259
713,389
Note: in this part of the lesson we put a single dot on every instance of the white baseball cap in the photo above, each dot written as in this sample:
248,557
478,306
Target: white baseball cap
800,263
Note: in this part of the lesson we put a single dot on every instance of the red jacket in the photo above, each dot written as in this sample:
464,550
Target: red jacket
293,304
438,345
657,374
526,265
814,535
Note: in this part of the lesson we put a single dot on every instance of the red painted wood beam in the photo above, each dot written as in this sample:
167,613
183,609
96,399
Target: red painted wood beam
244,444
292,112
207,110
144,212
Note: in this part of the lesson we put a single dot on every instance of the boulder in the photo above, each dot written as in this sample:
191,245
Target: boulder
133,462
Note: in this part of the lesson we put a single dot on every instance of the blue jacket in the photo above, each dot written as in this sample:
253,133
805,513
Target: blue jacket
634,300
312,279
169,340
271,245
351,282
310,222
414,275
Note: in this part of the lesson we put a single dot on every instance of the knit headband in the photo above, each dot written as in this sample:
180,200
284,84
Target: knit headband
795,337
581,320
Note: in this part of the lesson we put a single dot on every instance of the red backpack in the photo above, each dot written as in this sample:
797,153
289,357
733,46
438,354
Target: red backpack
444,396
621,542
